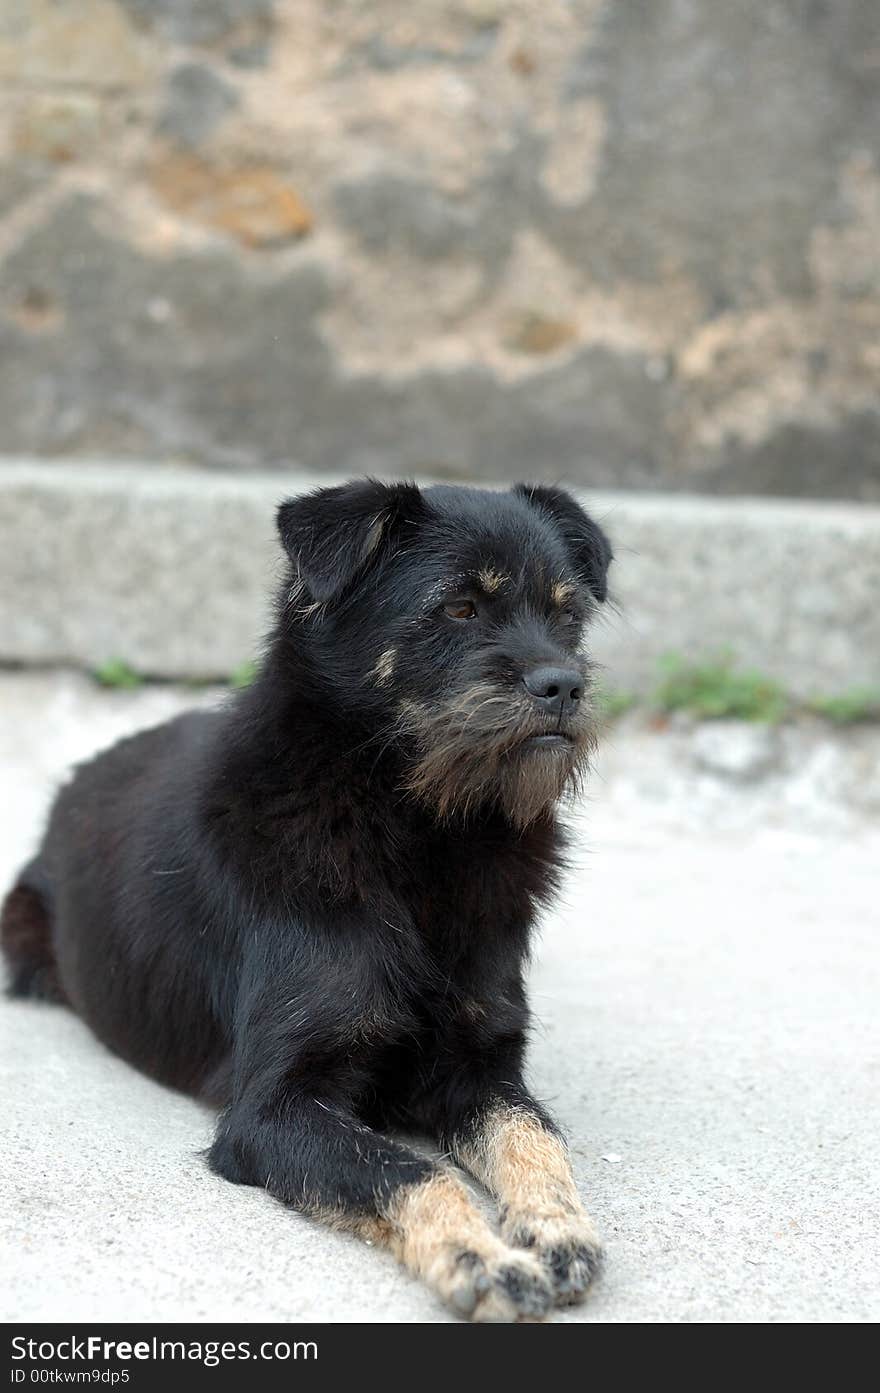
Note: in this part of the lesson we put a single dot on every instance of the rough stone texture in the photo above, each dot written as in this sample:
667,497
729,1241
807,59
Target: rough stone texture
707,1008
628,246
197,99
199,21
169,569
61,127
252,204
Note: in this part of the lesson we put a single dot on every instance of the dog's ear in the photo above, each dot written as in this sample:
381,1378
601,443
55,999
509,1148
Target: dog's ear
332,535
590,548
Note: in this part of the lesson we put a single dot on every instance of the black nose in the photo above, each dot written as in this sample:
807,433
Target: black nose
557,689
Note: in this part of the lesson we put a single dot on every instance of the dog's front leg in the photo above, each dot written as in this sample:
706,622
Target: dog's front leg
324,1162
514,1149
293,1129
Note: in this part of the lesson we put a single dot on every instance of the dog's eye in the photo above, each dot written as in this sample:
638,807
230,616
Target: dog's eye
461,609
568,617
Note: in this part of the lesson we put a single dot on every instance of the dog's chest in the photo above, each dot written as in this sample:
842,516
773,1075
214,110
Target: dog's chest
471,891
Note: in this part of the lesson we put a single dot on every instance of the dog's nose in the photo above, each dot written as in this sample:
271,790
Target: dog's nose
557,689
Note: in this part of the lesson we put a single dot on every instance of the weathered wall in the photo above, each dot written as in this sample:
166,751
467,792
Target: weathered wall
630,244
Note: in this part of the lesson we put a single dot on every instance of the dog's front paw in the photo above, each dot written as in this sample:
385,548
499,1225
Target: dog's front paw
566,1245
505,1285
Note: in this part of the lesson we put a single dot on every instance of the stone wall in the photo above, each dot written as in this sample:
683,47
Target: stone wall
627,244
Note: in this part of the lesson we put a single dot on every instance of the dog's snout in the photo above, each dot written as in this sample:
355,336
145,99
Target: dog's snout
557,689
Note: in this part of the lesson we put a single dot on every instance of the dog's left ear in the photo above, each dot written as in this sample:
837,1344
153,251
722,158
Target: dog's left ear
590,548
333,534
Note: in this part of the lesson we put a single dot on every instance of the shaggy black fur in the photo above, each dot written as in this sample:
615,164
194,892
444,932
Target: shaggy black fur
313,906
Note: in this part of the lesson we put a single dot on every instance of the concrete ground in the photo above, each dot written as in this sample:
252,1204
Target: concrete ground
708,1033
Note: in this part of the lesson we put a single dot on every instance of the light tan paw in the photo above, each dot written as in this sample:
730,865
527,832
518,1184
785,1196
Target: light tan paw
566,1245
504,1286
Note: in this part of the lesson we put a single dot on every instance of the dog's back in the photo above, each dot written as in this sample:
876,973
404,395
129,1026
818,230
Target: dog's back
95,920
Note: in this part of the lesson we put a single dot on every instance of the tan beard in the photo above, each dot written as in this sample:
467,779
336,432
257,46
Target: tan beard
472,755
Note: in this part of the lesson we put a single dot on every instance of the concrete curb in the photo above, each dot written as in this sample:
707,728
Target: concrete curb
170,569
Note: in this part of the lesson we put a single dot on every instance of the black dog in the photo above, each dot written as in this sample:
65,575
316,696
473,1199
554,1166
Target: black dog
313,906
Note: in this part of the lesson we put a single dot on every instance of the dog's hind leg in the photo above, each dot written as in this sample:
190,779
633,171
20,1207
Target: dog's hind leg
26,937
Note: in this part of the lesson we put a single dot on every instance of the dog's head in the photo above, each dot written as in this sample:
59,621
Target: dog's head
451,621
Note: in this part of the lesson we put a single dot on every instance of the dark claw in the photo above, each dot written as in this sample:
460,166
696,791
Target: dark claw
468,1259
572,1269
527,1294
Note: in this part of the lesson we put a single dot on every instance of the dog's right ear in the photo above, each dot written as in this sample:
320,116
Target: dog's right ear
333,534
